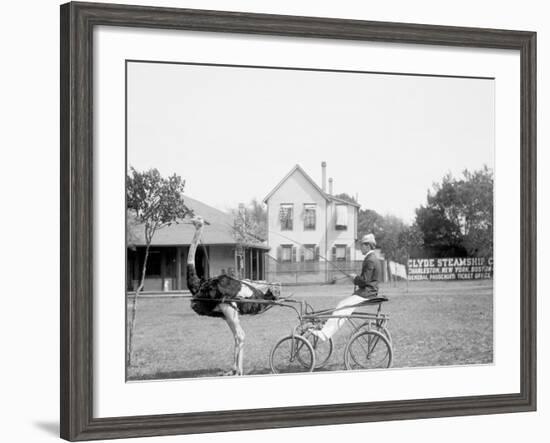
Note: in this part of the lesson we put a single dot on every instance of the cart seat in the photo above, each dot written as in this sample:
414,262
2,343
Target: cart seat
374,300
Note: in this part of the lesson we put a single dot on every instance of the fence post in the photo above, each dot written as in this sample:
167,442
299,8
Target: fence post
407,272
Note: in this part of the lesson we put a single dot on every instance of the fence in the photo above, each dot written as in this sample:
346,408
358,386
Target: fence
321,271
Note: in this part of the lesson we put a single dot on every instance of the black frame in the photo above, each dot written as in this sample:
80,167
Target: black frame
77,23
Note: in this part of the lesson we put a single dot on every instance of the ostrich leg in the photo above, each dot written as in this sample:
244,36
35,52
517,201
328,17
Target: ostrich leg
232,318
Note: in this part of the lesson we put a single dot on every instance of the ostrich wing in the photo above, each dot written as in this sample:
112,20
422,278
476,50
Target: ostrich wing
225,288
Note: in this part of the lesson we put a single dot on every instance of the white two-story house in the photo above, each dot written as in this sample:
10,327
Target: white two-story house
311,233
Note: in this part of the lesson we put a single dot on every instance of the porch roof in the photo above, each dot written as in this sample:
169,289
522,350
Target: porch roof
218,232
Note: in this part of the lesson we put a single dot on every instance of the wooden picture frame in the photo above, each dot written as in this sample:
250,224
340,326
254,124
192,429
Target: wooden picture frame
77,217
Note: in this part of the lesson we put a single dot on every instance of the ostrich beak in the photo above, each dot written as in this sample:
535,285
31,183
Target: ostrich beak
198,220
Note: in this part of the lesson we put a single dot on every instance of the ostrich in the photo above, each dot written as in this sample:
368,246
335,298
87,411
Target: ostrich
213,297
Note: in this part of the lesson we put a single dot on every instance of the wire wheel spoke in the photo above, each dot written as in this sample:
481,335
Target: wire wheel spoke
292,354
368,350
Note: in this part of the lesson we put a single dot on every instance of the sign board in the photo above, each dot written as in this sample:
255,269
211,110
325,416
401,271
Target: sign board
462,268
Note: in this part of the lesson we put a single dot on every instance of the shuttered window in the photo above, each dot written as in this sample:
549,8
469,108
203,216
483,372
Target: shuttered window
310,252
288,253
340,252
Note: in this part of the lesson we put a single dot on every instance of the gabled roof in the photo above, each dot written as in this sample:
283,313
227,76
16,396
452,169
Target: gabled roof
286,177
218,232
310,180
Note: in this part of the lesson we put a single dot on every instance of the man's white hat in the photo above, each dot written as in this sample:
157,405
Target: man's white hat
369,238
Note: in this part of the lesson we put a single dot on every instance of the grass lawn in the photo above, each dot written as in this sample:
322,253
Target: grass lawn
432,324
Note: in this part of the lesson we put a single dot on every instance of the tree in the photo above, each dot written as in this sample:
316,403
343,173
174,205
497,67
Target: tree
458,216
390,233
388,230
441,236
131,230
346,197
370,222
250,221
477,212
154,202
411,241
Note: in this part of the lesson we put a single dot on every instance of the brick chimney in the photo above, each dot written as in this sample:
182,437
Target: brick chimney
330,181
324,176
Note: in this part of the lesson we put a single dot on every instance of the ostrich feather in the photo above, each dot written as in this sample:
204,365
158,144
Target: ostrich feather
230,290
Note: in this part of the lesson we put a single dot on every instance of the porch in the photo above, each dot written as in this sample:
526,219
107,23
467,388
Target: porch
166,265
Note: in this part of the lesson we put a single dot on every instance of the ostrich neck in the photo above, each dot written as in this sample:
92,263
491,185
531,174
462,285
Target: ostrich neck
193,246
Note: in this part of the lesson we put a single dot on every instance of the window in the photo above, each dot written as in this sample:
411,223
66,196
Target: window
286,253
341,217
309,216
340,252
286,216
310,253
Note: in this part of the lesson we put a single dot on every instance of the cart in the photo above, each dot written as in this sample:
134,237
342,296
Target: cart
369,345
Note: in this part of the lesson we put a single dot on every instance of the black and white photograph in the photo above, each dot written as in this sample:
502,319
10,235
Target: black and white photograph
286,220
238,222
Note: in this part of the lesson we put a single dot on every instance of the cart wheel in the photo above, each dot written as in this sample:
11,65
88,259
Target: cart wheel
323,349
368,350
292,354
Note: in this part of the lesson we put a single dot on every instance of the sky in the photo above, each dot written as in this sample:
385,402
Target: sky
233,133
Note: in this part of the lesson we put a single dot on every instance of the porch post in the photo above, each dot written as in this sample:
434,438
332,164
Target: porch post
162,268
251,264
178,268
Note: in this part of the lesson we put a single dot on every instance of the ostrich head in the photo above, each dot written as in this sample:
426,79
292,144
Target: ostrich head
197,221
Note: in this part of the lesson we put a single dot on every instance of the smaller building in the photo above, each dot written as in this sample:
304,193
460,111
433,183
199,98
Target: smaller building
219,253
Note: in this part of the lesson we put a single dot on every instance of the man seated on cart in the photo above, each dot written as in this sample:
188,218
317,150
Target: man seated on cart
366,287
